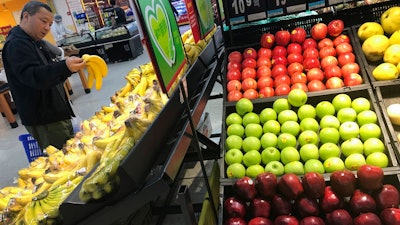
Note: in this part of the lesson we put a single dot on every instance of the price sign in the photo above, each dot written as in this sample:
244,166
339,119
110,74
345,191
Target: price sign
281,7
316,4
241,11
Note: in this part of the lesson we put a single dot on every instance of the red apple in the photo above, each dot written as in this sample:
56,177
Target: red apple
282,37
387,197
264,52
263,71
315,74
263,61
234,65
234,207
282,89
330,201
250,93
329,61
266,184
266,92
294,48
233,74
279,51
250,53
279,60
316,85
260,221
345,58
341,39
332,71
339,216
282,79
370,177
310,53
260,207
301,86
309,43
249,83
278,70
319,31
265,81
233,85
350,68
313,184
295,57
306,206
235,56
298,77
335,27
234,95
286,220
326,42
327,51
309,63
353,79
390,216
367,219
294,67
343,182
290,186
312,220
343,48
235,221
281,205
298,35
267,40
334,82
249,62
249,73
362,202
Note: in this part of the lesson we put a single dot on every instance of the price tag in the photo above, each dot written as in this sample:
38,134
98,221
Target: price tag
241,11
281,7
316,4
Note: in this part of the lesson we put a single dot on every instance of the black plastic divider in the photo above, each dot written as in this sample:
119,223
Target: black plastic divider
314,100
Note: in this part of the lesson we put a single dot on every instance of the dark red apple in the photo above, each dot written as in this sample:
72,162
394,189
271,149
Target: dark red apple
341,39
309,63
279,69
249,62
249,72
343,182
306,206
390,216
345,58
235,221
309,43
281,205
260,221
319,31
234,65
279,51
310,53
286,220
266,184
235,56
263,71
298,35
353,79
282,79
267,40
312,220
250,53
294,48
370,177
334,83
315,85
260,207
361,202
282,38
264,52
263,61
290,186
294,57
367,219
276,60
330,201
313,184
234,74
387,197
327,51
245,188
335,27
262,82
294,67
234,207
339,216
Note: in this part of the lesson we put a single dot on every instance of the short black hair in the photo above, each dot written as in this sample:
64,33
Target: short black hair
32,7
112,2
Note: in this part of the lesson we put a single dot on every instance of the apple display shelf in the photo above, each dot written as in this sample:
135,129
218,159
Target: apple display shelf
153,164
314,100
387,94
390,177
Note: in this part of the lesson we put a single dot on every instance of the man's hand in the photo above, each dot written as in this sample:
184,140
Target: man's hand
74,63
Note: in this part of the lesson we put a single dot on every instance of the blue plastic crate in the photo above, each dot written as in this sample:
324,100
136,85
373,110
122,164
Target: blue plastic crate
31,146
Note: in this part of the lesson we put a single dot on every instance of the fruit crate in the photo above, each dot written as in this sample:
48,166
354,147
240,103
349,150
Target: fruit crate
314,100
390,177
388,94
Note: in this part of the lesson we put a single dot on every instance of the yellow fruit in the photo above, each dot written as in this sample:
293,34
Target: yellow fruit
395,38
393,111
398,68
369,29
390,20
392,54
375,46
385,71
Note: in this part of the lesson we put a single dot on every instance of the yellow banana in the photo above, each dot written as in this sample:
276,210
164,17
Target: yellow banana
35,173
90,78
51,150
50,210
140,89
92,158
102,143
51,177
29,216
40,215
125,90
100,63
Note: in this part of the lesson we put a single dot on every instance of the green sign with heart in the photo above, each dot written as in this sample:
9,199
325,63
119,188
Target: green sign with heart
206,14
164,36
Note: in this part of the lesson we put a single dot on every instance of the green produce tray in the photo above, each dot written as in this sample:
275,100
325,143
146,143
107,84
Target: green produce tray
314,100
391,177
387,94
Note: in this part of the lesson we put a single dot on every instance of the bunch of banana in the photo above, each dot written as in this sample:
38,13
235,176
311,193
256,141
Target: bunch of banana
96,68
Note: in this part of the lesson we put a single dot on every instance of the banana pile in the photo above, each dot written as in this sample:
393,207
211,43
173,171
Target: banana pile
193,49
96,68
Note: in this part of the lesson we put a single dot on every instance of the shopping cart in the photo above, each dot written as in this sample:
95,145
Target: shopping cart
31,146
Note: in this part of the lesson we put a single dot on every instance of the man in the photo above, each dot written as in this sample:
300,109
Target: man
59,31
119,14
36,77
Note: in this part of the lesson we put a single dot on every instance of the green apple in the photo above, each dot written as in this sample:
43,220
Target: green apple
354,161
360,104
268,140
349,130
235,170
275,167
295,167
252,157
253,130
270,154
329,121
370,130
297,97
244,106
286,140
233,156
267,114
308,137
250,143
372,145
351,146
314,165
324,108
233,141
272,126
233,118
340,101
333,164
289,154
367,116
235,129
368,29
378,159
254,170
346,114
309,151
309,124
291,127
281,104
329,134
287,115
328,150
306,111
251,117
